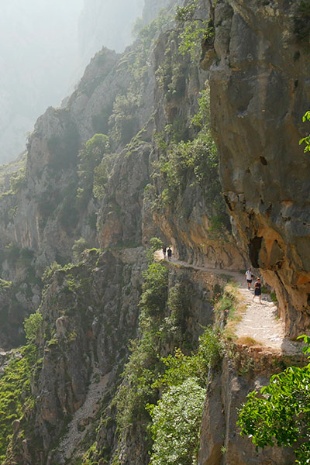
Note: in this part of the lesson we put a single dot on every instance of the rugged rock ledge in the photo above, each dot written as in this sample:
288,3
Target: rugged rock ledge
259,91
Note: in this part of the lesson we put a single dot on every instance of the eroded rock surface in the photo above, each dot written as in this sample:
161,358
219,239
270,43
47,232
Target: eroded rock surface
260,89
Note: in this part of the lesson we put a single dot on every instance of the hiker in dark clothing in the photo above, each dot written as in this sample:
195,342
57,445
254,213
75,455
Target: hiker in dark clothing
258,290
169,253
164,251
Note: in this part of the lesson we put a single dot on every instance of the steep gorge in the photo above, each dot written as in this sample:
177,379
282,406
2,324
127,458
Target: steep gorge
156,181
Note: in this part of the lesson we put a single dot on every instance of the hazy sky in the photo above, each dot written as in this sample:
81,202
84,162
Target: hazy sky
44,46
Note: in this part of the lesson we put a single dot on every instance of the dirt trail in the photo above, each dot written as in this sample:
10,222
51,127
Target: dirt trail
259,321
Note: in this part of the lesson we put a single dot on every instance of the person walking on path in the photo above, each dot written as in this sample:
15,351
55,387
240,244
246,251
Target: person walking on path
258,290
169,253
249,277
164,251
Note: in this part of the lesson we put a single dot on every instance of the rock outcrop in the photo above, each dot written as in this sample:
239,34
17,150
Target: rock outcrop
244,370
259,93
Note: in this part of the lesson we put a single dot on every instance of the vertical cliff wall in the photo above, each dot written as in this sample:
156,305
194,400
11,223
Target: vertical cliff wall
259,91
144,100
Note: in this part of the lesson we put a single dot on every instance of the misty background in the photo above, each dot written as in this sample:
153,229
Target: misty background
45,46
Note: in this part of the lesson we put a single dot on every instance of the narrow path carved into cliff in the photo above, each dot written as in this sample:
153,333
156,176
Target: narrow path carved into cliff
259,321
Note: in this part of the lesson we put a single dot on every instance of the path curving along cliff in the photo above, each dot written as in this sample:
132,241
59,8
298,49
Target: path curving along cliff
260,321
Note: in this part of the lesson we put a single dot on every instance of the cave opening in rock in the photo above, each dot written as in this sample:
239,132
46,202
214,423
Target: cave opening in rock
254,249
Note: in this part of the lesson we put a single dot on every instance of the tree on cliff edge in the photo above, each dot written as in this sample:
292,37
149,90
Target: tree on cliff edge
279,414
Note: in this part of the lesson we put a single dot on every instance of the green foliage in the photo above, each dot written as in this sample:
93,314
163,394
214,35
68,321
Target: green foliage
279,413
306,140
49,271
18,180
201,120
12,252
90,156
32,326
193,163
182,378
137,389
210,348
155,244
149,33
194,31
155,290
101,176
5,284
178,303
175,424
14,389
123,120
180,367
177,415
78,247
302,20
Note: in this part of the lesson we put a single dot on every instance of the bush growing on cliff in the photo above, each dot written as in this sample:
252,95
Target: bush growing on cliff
89,158
177,415
15,394
32,326
279,413
175,424
123,121
306,140
194,29
155,290
152,370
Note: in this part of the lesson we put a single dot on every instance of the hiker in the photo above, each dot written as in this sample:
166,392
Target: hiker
164,251
258,290
249,277
169,253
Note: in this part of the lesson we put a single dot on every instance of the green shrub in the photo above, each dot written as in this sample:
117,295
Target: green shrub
176,423
89,157
306,140
14,389
18,180
32,326
279,415
194,29
155,290
177,415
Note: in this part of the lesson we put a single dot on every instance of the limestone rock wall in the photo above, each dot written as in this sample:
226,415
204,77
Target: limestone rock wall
241,371
90,313
186,222
259,91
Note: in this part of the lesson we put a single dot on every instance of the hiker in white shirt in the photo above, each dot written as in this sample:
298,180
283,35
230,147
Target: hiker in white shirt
249,277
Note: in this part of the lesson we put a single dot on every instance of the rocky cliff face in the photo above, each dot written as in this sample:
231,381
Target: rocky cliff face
244,370
160,179
259,92
121,97
90,310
